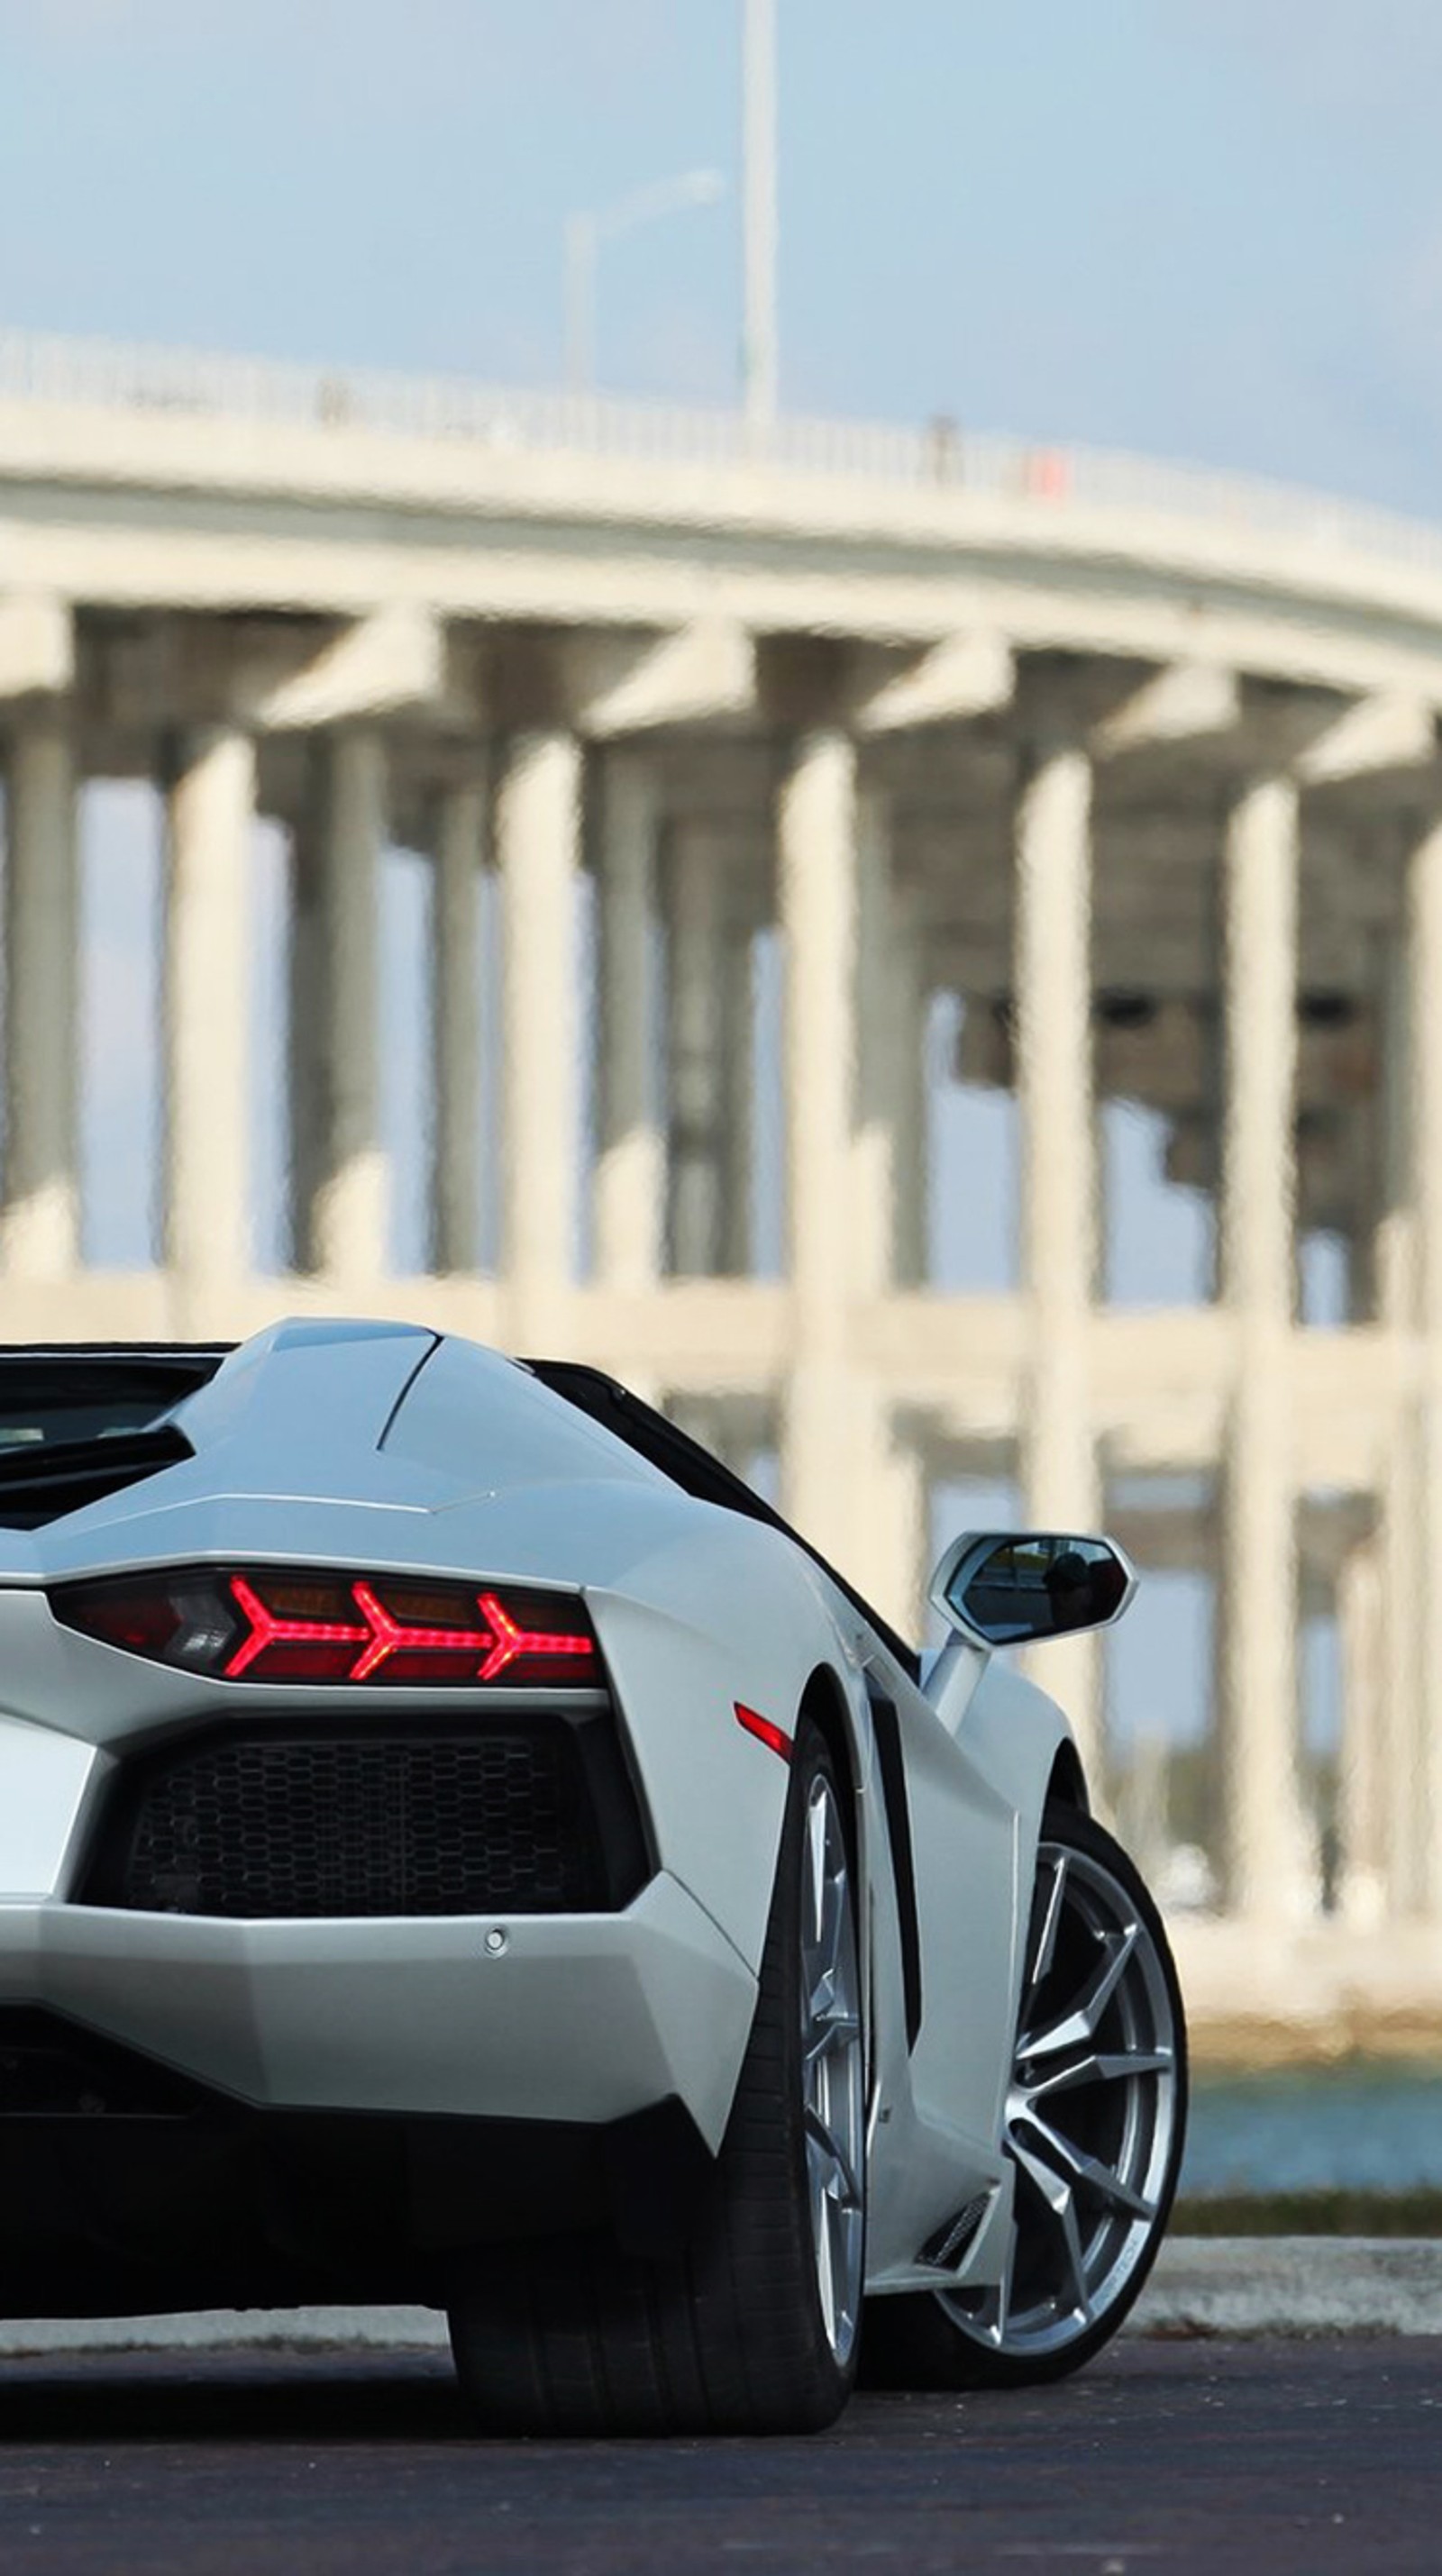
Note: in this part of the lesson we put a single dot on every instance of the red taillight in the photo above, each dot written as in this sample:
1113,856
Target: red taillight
306,1646
276,1626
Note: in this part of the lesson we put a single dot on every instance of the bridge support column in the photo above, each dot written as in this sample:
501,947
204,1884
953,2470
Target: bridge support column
207,1021
1362,1784
738,1107
890,1511
630,1163
41,1218
1059,1479
817,882
888,1476
1400,1715
338,1167
537,822
883,1042
695,1031
907,1004
1269,1874
1424,907
456,1032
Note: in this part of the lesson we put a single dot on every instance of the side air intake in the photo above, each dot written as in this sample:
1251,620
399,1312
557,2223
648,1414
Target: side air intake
81,1421
44,1482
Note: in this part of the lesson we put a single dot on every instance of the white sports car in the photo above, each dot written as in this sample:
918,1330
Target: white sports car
457,1845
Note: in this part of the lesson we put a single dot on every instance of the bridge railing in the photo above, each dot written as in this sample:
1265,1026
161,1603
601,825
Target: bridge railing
112,376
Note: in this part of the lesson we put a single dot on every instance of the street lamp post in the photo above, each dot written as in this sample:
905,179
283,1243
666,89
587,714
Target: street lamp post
585,233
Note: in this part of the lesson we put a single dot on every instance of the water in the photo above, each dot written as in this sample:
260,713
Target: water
1361,2126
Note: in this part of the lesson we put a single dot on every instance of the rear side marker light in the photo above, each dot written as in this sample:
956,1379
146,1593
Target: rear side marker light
267,1625
775,1737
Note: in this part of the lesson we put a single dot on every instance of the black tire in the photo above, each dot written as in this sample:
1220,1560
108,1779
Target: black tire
573,2336
960,2340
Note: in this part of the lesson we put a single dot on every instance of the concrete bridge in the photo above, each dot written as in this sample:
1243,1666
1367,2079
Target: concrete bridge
1141,764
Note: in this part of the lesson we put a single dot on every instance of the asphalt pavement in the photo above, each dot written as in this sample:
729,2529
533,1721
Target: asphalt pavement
1187,2455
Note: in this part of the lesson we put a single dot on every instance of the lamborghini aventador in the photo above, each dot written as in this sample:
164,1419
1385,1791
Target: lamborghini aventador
457,1844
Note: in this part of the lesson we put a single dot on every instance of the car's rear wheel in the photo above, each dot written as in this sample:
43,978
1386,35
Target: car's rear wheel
1095,2123
754,2327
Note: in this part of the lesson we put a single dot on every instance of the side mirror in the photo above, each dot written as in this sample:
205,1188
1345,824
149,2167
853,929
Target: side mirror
1012,1590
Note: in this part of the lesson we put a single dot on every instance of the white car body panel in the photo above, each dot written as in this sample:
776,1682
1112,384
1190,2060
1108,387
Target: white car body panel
380,1449
413,2016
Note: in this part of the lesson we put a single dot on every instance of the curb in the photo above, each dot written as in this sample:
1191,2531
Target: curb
1293,2285
232,2330
1225,2285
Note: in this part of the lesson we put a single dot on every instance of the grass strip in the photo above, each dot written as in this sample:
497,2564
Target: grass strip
1310,2213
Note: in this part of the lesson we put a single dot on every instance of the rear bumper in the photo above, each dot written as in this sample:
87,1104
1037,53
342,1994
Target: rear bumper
578,2018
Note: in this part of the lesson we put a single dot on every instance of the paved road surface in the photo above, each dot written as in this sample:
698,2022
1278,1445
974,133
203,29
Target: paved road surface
1186,2458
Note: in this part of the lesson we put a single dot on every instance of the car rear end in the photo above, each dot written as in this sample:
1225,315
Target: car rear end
334,1934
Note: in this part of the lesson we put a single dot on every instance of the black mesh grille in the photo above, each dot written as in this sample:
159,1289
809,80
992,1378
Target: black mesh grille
434,1821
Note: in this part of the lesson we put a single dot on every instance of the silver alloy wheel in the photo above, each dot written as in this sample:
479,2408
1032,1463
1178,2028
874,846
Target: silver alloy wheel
833,2071
1091,2115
